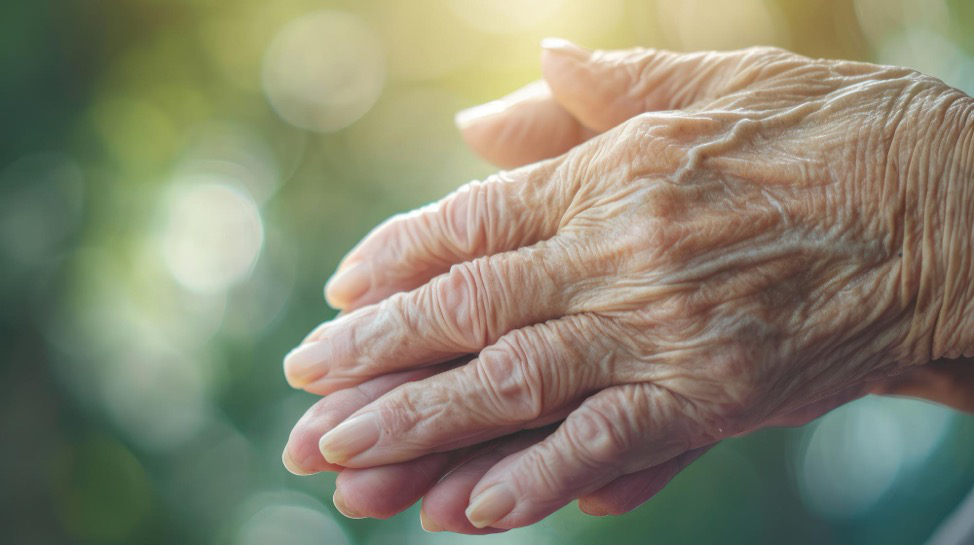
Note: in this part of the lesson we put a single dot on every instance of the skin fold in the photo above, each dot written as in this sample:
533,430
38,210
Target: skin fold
696,246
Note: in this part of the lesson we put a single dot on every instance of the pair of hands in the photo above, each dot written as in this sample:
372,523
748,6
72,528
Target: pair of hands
698,246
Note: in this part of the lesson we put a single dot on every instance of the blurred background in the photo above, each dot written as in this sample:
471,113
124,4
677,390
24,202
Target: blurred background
179,177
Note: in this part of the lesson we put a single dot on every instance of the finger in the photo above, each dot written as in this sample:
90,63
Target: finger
521,128
457,313
505,212
528,375
616,432
444,503
382,492
604,88
630,491
301,455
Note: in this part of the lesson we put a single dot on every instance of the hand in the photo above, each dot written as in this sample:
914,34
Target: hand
637,325
444,480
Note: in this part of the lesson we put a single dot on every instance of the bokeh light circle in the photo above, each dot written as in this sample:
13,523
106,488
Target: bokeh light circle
324,70
212,236
717,24
235,152
506,16
157,397
854,457
287,517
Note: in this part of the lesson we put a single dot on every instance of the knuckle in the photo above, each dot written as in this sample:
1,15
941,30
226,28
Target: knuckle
464,220
472,219
596,437
407,235
461,306
398,414
397,316
512,382
542,476
409,407
662,143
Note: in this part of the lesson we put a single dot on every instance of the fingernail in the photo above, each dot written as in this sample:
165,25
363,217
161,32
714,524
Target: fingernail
591,510
562,45
349,439
348,285
301,363
490,506
470,116
427,523
291,465
339,502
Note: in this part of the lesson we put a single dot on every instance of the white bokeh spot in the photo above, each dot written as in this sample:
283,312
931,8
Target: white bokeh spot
212,236
324,70
854,456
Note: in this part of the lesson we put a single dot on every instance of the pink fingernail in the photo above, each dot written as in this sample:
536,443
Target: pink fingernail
291,465
348,285
427,523
350,438
490,506
470,116
339,502
300,364
562,45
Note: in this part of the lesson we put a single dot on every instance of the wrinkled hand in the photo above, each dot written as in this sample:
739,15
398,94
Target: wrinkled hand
692,274
444,480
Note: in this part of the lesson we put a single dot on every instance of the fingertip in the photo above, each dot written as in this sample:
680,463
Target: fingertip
557,53
333,300
522,128
350,440
300,364
467,118
348,284
576,83
491,506
291,465
565,47
301,449
428,523
597,88
592,508
339,500
450,517
514,130
444,505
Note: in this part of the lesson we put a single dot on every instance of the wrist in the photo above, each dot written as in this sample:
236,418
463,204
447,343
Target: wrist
932,157
953,333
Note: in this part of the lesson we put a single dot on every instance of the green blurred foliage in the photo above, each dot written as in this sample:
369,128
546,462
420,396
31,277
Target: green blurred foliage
143,400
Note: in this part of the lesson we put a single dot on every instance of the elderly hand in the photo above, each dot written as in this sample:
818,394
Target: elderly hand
798,227
444,480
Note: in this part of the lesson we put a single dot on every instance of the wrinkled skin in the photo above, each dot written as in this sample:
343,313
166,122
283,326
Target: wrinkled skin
774,238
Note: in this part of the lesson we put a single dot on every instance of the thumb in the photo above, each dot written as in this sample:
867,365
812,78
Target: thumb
604,88
523,127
